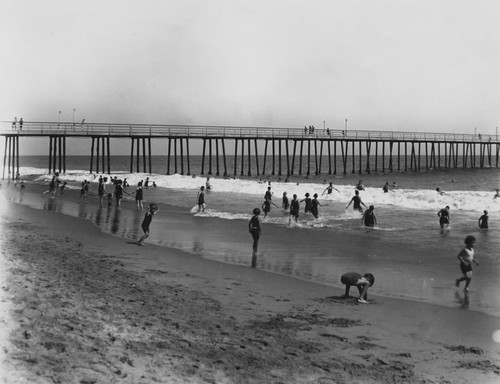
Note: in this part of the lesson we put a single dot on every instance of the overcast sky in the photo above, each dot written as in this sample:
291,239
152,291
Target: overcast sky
421,65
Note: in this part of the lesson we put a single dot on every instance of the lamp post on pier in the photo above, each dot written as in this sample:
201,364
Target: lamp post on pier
59,125
74,110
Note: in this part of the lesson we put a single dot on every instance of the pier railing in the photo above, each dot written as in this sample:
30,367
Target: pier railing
197,131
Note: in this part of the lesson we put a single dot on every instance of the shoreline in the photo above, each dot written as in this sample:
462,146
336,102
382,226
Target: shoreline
391,286
236,302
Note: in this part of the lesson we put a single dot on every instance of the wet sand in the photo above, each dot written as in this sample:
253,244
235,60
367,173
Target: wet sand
81,306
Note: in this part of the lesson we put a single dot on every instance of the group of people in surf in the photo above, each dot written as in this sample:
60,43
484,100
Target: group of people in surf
312,204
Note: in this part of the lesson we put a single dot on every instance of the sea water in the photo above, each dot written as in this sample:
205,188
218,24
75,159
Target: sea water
409,254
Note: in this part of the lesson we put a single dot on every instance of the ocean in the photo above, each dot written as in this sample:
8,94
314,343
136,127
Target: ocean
411,257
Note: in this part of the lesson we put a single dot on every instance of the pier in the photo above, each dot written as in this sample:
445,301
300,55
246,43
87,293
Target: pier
284,151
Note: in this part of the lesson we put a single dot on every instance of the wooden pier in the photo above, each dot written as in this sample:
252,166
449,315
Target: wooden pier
284,151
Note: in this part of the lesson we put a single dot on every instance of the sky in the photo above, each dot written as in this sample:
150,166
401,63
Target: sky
393,65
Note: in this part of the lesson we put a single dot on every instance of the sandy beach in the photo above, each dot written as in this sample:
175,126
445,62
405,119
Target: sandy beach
81,306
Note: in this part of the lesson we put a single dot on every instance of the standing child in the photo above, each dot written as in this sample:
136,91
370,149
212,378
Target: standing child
466,257
150,211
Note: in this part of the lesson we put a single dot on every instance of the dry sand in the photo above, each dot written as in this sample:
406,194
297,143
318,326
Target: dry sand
79,306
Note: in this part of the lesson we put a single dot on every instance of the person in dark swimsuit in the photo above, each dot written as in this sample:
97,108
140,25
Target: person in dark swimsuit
369,218
200,200
285,204
294,209
139,196
314,206
148,217
444,217
255,229
483,220
357,202
329,189
307,200
101,191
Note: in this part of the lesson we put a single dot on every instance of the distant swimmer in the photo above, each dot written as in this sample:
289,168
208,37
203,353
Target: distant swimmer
438,190
150,212
200,199
362,282
466,257
360,186
307,200
285,204
483,220
387,188
394,185
329,189
208,186
314,206
357,202
444,216
294,209
497,195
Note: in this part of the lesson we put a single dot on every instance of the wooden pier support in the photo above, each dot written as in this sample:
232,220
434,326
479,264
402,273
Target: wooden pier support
146,154
102,156
11,157
57,154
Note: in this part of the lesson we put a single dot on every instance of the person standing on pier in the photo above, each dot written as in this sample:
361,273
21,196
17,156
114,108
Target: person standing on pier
21,121
14,123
